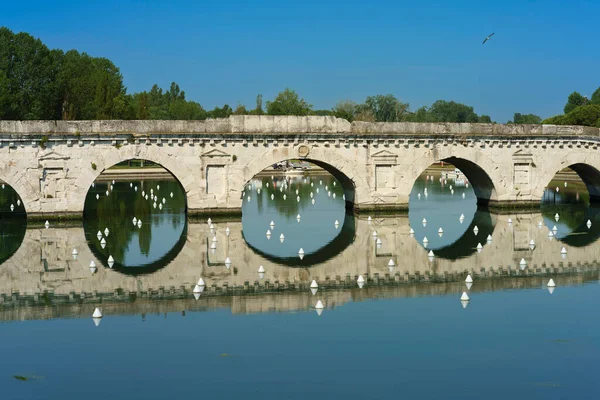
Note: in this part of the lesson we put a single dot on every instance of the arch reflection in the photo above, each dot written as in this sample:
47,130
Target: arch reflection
140,222
443,196
283,193
13,221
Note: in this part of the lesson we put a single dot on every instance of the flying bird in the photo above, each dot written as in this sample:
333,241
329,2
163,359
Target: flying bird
487,38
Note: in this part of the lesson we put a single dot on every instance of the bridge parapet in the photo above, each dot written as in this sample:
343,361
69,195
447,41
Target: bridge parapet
283,125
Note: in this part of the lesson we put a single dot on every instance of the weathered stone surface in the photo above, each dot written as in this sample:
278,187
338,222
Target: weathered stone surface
51,163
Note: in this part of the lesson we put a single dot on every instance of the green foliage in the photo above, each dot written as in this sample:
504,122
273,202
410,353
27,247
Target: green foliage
595,97
588,115
43,141
447,111
346,109
556,120
485,119
288,103
526,119
575,100
384,108
94,166
240,110
322,113
223,112
259,102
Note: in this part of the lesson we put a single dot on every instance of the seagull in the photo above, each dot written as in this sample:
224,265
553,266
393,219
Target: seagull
488,38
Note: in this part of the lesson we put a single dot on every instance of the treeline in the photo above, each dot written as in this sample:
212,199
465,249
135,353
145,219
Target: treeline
39,83
579,110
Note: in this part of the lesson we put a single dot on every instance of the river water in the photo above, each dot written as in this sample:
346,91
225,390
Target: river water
255,332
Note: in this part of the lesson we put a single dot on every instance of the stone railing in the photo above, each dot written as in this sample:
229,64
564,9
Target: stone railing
269,124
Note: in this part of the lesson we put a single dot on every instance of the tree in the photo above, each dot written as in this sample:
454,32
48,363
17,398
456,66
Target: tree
485,119
556,120
587,115
595,97
519,118
240,110
385,108
259,102
345,109
288,103
224,112
575,100
450,111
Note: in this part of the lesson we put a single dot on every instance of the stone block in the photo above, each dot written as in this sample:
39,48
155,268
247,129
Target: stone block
251,123
268,124
297,124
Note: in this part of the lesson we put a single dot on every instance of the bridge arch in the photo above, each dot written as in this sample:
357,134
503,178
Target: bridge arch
482,179
16,178
186,178
356,189
586,168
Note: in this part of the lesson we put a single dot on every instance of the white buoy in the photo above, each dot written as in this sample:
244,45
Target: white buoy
556,217
391,263
523,263
464,297
198,289
479,246
360,281
301,253
92,264
419,195
134,220
336,224
154,205
314,284
97,313
298,199
139,223
103,241
563,251
107,192
214,239
47,224
430,254
106,232
261,269
227,231
312,201
18,202
74,253
298,217
554,229
374,235
440,232
476,230
540,224
369,219
272,196
268,232
228,262
425,242
463,195
411,232
319,305
97,197
469,279
378,242
110,258
209,222
424,221
489,238
281,238
462,217
588,224
509,221
201,282
99,235
532,244
551,283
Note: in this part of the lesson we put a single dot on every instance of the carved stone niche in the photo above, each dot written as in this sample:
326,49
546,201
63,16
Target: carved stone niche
522,168
54,170
216,163
384,162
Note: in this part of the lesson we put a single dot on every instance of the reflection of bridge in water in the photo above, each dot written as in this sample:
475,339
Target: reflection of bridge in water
43,272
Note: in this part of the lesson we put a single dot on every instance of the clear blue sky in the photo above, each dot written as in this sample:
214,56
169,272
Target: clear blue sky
421,51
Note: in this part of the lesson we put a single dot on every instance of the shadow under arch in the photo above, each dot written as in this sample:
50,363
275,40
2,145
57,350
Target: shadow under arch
583,236
342,241
591,178
479,179
466,245
149,268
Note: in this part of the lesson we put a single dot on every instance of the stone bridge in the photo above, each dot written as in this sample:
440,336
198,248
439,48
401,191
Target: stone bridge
51,164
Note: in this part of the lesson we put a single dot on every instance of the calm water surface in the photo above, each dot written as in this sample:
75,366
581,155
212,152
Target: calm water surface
408,337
